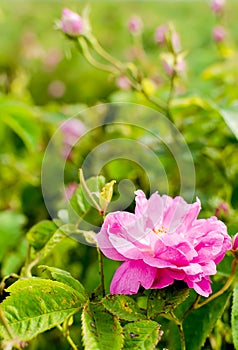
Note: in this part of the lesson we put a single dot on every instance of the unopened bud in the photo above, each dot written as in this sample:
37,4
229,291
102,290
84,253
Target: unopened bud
217,6
235,242
135,25
222,210
71,23
160,34
219,33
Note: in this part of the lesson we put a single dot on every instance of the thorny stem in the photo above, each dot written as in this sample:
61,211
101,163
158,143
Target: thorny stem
100,256
101,270
69,339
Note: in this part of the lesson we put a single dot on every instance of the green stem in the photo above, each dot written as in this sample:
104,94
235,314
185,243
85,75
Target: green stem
86,53
181,332
30,266
160,106
223,289
5,324
101,270
171,94
68,338
104,54
82,217
173,317
192,307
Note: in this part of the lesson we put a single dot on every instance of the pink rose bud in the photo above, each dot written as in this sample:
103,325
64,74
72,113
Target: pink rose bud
172,65
235,242
217,6
222,210
70,189
160,34
123,83
135,25
219,34
72,129
71,23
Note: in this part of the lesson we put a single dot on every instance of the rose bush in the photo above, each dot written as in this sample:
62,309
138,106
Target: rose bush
162,242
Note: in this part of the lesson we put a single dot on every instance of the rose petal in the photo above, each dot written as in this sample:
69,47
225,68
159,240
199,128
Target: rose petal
130,276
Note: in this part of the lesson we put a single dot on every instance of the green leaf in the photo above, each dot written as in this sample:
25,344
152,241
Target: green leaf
234,317
10,230
199,323
234,197
60,234
36,305
21,119
231,118
66,278
141,335
40,233
101,330
190,101
124,307
80,200
166,300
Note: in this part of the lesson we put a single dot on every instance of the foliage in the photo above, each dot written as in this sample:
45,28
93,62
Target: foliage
51,293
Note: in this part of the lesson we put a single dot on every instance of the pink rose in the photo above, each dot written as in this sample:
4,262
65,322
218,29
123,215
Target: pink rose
162,242
160,34
71,23
72,129
217,6
219,33
135,25
222,210
235,242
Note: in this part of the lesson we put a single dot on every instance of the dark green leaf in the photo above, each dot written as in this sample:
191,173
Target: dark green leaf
124,307
10,229
199,323
36,305
141,335
166,300
234,197
101,330
234,317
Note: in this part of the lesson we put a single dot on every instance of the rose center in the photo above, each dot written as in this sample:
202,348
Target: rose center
160,230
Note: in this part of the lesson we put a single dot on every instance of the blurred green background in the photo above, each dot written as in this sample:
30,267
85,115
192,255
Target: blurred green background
44,81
